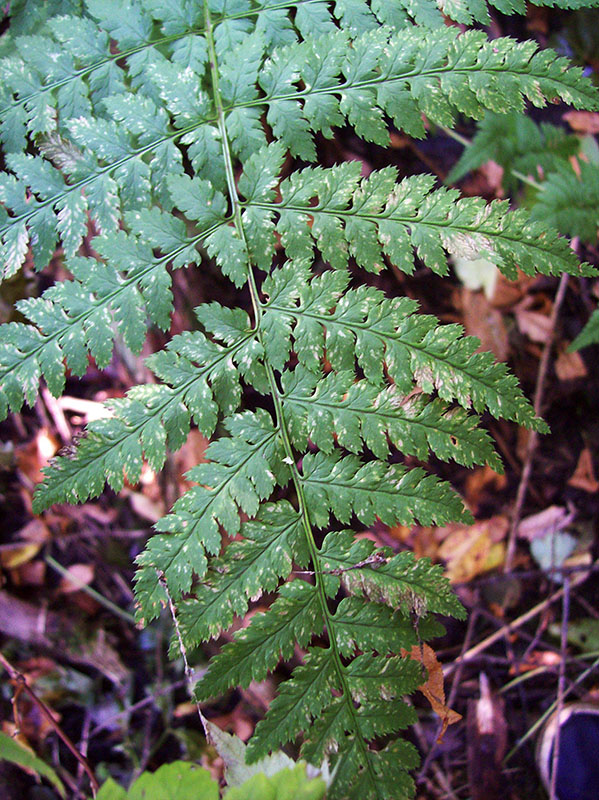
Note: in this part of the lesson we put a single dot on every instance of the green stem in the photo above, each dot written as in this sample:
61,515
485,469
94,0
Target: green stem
467,142
104,601
277,400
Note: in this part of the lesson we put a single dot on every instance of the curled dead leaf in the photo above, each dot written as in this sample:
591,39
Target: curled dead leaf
433,689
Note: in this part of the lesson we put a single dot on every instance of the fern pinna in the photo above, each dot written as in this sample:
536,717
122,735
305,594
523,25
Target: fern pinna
174,128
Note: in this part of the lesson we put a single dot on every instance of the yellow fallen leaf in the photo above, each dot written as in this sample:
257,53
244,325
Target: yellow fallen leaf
470,550
13,555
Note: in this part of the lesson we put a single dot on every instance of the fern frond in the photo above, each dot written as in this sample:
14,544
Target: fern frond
301,700
294,617
357,413
589,334
164,132
201,378
436,72
272,541
515,142
361,325
399,581
569,201
376,217
238,475
374,627
469,11
346,486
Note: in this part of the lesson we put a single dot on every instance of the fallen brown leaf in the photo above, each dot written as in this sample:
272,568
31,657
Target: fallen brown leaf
569,366
32,457
433,689
584,474
550,520
81,574
485,322
479,480
533,324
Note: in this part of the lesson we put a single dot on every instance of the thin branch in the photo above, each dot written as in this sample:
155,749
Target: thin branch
21,682
99,598
561,687
533,436
508,628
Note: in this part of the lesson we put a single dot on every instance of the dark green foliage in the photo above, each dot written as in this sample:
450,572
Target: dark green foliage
518,144
564,193
170,127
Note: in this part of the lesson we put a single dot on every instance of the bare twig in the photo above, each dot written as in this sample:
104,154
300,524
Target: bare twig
561,686
57,414
533,437
99,598
440,776
21,682
508,628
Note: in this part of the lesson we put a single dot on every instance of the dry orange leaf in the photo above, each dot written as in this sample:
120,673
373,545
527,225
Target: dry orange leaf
433,689
479,480
584,474
569,366
32,457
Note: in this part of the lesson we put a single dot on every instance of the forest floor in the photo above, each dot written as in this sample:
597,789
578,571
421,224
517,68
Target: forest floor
531,638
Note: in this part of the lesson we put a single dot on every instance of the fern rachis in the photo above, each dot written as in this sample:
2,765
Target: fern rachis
174,129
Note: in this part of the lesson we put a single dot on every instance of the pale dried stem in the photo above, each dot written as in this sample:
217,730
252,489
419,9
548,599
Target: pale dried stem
561,687
187,668
533,437
510,627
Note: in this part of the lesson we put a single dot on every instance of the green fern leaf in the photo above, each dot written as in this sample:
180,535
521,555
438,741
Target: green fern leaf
346,486
301,699
357,413
378,628
256,650
165,134
272,541
399,581
569,201
364,326
516,143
